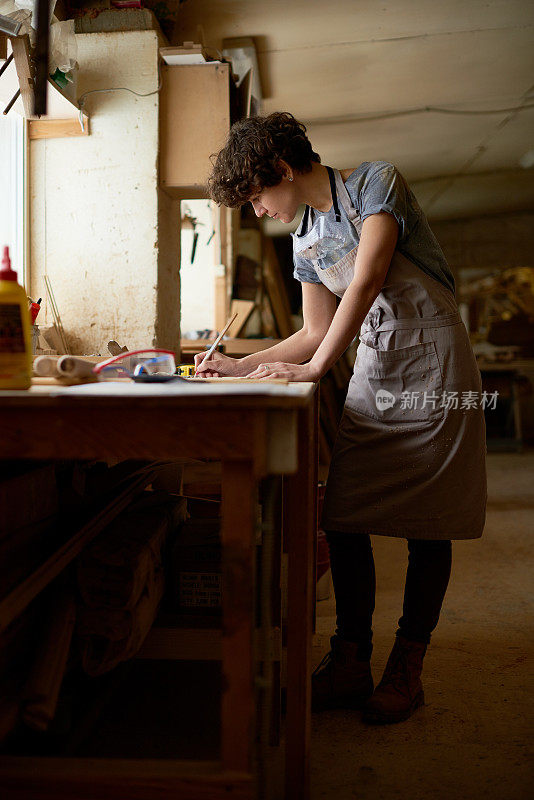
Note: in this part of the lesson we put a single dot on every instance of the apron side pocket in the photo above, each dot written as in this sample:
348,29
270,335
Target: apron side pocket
401,386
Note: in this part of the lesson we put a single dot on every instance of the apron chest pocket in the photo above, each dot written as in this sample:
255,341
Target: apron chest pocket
397,386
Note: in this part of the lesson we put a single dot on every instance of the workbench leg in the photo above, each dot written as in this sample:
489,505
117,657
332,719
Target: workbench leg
238,559
299,529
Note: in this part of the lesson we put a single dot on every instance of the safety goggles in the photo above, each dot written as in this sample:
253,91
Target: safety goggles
138,365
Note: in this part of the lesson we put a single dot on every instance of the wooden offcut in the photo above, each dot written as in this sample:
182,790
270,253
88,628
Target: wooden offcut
41,692
243,309
57,128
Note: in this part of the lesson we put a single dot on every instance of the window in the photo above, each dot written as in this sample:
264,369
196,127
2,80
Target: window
198,267
12,193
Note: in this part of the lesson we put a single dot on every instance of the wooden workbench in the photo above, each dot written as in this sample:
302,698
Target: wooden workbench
255,430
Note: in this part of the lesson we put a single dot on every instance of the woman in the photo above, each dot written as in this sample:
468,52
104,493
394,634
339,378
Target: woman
409,459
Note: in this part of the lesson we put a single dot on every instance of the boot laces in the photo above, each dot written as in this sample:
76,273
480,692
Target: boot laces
397,671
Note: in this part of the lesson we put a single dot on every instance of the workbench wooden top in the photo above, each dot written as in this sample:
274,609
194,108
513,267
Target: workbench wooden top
253,395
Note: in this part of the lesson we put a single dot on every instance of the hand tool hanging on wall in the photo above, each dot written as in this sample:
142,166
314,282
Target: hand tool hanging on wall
194,247
189,221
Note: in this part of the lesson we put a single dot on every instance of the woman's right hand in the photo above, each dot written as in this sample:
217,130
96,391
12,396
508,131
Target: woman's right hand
218,366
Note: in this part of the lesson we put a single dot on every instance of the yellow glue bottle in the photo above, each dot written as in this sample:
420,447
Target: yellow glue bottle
15,335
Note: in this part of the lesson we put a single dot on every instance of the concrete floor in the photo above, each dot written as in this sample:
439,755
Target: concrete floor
473,739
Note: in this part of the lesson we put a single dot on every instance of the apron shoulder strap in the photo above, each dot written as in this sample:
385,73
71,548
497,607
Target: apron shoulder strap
333,189
303,227
352,212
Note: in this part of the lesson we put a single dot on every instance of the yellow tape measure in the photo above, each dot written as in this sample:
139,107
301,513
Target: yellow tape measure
186,370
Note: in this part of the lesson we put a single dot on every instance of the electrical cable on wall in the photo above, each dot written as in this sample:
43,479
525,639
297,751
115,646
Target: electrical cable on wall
81,99
422,110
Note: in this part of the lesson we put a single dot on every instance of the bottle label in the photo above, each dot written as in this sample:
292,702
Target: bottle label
11,332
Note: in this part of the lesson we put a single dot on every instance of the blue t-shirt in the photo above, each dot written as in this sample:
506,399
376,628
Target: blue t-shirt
377,186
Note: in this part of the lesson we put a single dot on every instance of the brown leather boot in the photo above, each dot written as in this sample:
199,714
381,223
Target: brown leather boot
341,680
400,691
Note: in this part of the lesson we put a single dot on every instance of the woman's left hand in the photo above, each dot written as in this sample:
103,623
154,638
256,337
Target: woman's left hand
288,372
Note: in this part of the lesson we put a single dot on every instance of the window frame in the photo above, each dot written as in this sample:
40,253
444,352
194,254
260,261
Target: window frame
17,171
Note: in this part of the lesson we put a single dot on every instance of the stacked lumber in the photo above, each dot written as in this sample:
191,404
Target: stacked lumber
121,581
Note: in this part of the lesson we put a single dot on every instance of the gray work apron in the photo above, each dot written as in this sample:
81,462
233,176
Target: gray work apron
399,468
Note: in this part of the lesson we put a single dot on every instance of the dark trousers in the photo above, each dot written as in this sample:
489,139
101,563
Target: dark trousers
353,573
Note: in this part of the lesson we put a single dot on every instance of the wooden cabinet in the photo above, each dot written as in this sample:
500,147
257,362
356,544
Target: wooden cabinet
194,123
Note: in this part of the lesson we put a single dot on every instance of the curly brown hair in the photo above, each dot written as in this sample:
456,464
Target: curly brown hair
250,159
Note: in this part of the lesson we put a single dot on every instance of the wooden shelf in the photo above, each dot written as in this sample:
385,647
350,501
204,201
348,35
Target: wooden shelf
62,117
232,347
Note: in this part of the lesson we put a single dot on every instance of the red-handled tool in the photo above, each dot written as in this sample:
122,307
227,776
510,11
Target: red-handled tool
34,310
